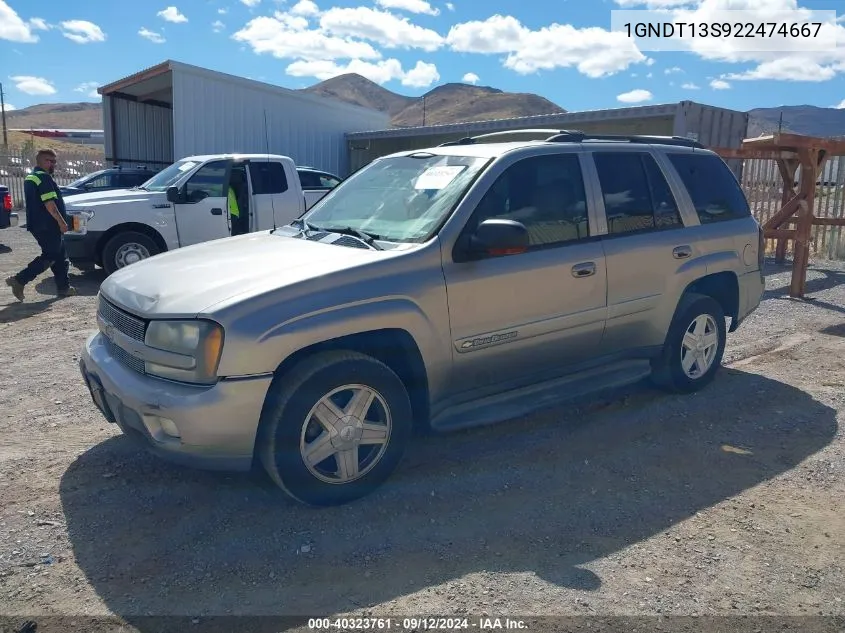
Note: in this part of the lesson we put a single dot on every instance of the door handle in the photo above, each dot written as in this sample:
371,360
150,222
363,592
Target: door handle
217,211
682,252
584,270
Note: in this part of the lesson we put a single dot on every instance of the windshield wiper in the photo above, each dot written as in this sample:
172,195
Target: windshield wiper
368,238
302,224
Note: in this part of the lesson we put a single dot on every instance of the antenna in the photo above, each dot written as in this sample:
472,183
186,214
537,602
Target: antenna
267,142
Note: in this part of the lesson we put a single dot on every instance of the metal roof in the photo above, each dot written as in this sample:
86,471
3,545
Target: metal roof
156,79
562,121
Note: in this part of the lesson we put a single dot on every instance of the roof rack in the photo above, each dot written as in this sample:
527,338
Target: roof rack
577,136
469,140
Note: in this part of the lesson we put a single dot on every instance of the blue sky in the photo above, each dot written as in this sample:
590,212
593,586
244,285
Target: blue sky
560,49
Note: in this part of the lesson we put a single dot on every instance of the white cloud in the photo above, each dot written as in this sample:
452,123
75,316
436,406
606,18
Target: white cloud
223,11
33,85
305,8
82,31
673,70
89,88
155,38
718,84
251,3
39,24
471,78
218,26
381,27
690,86
172,14
653,4
841,105
412,6
786,69
594,51
9,107
649,61
450,6
288,37
649,76
635,96
13,28
420,76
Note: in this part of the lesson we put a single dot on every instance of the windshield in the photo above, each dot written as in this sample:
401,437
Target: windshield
81,181
168,176
400,199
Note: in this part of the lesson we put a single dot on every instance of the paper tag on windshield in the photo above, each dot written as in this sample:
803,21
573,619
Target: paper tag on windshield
186,166
438,177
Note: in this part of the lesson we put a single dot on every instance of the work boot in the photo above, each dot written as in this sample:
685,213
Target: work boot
16,286
70,291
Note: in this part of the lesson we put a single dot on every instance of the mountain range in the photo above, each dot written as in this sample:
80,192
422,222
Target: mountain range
448,103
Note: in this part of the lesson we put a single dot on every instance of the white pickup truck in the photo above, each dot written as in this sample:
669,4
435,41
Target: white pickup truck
187,203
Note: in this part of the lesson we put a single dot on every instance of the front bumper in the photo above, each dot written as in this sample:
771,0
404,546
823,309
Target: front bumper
217,425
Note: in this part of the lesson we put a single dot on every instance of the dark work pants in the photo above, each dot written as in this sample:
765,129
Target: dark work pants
53,256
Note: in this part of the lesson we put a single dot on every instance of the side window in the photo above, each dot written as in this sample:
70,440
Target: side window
132,179
267,178
545,193
309,180
329,182
715,193
100,182
636,195
208,182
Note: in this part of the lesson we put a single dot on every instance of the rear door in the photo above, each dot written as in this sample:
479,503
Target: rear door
203,217
646,246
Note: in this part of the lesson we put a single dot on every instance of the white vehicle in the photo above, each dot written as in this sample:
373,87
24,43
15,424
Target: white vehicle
186,203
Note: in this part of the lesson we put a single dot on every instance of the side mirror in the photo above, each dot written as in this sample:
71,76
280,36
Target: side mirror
499,237
173,195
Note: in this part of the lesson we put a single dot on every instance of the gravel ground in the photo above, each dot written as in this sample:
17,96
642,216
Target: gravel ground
728,502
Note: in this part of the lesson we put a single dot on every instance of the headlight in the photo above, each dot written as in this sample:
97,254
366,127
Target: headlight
198,341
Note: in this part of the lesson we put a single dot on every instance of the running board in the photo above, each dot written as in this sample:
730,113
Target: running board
521,402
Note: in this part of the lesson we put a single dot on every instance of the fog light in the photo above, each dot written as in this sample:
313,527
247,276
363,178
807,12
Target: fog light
159,426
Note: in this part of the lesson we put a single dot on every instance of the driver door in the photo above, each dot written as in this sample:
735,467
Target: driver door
204,215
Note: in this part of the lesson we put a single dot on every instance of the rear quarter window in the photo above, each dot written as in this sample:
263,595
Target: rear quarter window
712,186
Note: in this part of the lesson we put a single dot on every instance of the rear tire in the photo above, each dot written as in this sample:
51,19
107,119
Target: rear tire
297,419
694,347
126,248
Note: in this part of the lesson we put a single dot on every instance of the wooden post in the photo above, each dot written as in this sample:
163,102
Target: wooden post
801,257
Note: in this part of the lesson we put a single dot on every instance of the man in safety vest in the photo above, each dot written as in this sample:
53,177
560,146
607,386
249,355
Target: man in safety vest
236,190
47,220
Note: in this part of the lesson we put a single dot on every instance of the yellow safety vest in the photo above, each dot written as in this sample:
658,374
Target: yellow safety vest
234,210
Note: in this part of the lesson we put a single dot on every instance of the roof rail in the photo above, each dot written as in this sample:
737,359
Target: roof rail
469,140
578,137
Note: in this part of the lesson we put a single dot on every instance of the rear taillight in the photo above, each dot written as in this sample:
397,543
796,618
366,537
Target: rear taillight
7,202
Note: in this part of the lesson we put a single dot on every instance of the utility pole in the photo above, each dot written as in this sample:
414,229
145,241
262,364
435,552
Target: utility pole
3,110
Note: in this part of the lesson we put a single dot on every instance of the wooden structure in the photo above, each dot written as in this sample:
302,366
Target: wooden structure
795,155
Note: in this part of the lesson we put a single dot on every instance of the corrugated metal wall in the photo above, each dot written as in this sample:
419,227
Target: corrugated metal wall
215,115
137,133
713,127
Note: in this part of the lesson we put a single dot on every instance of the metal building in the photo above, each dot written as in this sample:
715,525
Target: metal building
712,126
173,110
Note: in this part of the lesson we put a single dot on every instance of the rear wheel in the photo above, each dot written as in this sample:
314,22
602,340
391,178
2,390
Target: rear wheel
334,428
127,247
694,346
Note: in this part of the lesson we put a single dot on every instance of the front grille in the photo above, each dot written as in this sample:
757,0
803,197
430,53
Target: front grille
127,324
122,321
124,357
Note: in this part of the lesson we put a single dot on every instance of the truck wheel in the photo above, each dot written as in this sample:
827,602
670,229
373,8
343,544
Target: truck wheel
127,247
694,346
334,428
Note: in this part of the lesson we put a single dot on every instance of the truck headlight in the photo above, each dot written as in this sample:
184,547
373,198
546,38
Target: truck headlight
200,341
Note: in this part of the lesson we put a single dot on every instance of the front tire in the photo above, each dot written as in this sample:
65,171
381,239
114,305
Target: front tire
334,428
126,248
694,346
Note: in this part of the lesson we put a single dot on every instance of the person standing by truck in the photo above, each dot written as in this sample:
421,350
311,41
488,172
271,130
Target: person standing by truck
47,220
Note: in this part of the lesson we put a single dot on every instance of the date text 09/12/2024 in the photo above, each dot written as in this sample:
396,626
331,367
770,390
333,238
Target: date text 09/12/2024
415,624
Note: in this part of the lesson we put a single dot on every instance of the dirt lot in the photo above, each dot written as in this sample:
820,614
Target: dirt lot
728,502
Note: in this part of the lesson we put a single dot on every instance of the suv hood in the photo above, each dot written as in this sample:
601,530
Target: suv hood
113,196
190,280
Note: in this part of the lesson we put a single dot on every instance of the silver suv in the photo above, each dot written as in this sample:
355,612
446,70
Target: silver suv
440,288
